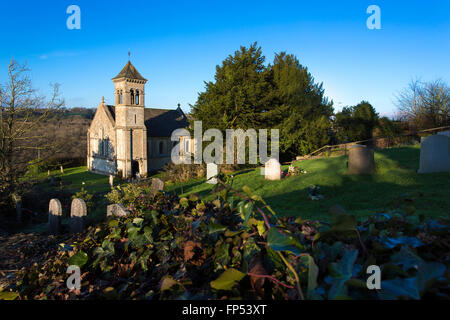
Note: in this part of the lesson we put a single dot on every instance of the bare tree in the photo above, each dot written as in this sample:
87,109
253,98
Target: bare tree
425,104
22,111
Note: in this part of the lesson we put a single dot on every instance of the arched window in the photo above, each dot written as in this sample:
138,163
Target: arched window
137,97
161,147
132,96
121,97
102,142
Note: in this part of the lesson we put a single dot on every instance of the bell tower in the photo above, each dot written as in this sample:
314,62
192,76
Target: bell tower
131,133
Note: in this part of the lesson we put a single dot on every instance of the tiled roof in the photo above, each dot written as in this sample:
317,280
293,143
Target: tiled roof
160,122
129,72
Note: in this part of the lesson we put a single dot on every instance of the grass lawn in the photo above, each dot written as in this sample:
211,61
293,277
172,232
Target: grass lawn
72,180
396,175
363,195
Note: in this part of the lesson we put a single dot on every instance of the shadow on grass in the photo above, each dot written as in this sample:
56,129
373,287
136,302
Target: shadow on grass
364,195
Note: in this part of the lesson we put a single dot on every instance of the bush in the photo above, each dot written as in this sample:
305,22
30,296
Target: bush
125,194
183,172
36,166
236,247
84,195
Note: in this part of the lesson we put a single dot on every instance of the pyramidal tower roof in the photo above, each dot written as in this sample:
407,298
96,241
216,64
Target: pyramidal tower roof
129,72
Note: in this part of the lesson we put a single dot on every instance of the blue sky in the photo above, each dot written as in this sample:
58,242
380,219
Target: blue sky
176,45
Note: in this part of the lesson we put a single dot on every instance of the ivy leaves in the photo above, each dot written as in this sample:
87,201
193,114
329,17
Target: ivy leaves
282,242
183,248
227,279
79,259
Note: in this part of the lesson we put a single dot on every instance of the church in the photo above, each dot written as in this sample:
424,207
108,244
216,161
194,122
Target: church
127,138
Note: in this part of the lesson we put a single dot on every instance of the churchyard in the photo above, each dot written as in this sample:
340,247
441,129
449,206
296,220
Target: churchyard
322,201
395,178
336,195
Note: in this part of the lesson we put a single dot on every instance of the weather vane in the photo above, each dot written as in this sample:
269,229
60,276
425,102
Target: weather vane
129,54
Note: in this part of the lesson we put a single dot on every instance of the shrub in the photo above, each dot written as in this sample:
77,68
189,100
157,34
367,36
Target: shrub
86,196
125,194
36,166
236,247
183,172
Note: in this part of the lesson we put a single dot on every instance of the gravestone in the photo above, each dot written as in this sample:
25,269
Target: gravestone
61,169
78,213
444,133
360,160
54,216
211,171
19,211
116,210
434,154
157,185
111,180
272,170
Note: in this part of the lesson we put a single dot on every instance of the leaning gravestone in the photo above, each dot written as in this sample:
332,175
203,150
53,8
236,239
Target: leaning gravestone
211,171
272,170
78,213
54,216
116,210
360,160
157,185
434,154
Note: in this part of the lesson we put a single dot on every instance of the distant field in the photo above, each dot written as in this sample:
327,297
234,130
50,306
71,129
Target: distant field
361,195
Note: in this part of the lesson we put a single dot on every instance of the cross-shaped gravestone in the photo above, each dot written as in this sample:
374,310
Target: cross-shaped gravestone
78,213
272,170
54,216
211,172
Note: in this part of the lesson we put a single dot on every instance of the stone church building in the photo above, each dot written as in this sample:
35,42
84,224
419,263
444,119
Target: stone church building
127,138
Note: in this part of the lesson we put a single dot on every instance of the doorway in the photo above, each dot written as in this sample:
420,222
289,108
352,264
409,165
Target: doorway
134,168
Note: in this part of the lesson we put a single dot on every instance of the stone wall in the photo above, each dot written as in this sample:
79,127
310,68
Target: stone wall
101,140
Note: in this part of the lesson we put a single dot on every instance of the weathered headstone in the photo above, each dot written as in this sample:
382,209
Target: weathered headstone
360,160
61,169
54,216
78,213
444,133
157,185
48,173
116,210
111,180
434,154
272,170
211,171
